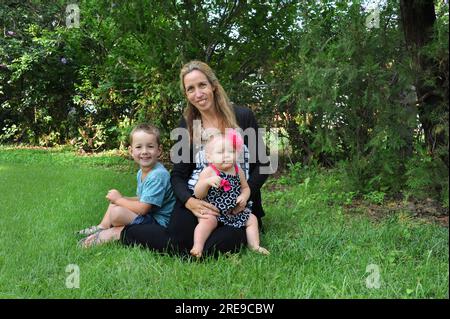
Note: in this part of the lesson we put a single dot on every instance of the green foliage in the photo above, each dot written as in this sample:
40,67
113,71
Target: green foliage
295,172
342,93
122,63
351,102
427,177
375,197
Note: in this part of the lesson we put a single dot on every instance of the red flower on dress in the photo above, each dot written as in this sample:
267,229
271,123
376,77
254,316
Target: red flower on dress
225,185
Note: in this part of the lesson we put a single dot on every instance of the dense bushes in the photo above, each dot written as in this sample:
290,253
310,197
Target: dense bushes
343,93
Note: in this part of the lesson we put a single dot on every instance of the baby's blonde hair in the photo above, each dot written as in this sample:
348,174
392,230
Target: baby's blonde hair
212,139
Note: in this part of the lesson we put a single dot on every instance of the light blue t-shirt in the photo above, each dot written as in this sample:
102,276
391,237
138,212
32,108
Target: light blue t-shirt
157,191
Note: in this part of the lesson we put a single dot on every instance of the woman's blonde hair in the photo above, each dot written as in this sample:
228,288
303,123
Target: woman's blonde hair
222,103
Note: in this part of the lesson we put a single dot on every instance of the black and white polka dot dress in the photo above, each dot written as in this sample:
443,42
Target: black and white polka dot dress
225,200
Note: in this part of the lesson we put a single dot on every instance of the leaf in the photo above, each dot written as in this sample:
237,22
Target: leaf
285,98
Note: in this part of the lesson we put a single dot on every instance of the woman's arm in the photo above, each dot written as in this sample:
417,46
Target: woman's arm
181,171
256,178
179,178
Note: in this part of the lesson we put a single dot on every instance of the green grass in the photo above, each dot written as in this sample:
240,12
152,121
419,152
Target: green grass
317,250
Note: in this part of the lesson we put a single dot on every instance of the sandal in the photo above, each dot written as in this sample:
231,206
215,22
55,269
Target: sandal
88,241
90,230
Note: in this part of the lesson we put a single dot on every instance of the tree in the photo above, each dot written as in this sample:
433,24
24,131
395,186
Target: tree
418,19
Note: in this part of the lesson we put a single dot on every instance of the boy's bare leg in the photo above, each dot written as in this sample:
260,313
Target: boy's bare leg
201,233
121,216
252,233
106,221
104,224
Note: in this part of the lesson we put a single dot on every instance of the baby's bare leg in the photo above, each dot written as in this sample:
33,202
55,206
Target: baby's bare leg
201,233
252,233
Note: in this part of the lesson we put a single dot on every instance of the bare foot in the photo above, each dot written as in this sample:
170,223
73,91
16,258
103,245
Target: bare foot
260,250
196,253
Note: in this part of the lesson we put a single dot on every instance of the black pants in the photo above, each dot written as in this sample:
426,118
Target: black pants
179,236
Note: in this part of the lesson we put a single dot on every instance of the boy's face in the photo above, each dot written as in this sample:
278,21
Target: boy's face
221,153
145,149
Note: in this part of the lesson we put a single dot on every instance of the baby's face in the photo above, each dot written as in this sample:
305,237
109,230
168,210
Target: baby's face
221,153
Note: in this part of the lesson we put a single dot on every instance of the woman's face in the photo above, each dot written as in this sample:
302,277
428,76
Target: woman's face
199,91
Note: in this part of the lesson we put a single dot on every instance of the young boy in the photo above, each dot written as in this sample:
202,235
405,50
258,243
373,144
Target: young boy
155,199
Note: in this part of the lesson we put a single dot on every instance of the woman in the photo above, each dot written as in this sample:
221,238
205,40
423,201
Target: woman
207,102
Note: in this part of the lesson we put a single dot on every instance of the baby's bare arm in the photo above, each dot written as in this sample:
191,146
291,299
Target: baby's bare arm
203,184
245,189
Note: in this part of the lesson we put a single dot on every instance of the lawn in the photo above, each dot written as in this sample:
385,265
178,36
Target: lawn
318,249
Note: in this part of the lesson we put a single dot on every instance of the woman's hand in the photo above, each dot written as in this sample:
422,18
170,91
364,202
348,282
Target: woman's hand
200,208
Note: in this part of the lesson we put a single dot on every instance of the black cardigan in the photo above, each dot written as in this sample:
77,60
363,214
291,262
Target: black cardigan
181,172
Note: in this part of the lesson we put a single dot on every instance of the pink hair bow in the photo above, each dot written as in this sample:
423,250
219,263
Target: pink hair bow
235,138
225,185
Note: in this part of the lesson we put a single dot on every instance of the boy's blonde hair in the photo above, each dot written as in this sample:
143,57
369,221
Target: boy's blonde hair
147,128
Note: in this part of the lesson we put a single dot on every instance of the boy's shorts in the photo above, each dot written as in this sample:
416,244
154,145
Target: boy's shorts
145,219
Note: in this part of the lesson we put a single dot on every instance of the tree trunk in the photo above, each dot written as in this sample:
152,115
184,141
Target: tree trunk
418,17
